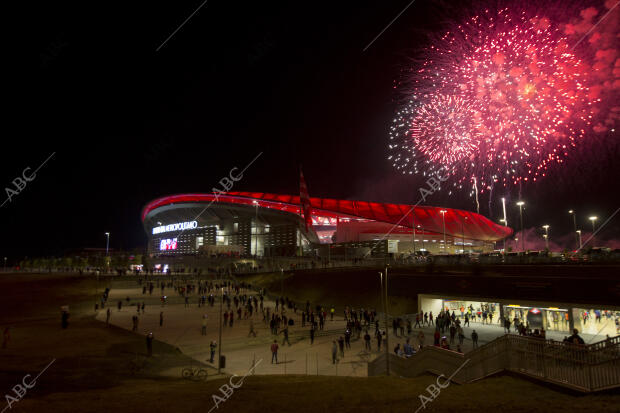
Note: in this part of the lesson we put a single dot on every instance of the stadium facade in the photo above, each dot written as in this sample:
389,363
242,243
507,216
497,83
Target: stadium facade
270,225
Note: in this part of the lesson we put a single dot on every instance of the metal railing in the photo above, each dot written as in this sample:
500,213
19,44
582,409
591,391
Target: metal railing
585,368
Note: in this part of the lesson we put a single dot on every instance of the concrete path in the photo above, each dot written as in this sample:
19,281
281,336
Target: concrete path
182,328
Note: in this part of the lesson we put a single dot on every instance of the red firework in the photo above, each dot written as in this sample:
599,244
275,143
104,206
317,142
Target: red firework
499,99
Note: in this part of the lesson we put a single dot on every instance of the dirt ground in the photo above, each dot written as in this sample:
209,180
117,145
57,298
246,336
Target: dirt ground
91,370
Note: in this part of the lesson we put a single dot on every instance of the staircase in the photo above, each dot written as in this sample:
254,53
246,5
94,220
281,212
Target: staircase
585,368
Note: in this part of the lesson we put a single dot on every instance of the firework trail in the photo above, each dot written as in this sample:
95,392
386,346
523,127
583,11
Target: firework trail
500,97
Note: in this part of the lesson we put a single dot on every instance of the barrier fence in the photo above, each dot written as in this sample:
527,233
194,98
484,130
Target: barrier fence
585,368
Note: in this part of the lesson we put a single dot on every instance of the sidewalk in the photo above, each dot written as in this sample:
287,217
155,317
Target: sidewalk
182,328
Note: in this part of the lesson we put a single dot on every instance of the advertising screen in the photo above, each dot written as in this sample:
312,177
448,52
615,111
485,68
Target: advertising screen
168,244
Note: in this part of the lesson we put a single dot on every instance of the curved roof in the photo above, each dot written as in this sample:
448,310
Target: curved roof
458,223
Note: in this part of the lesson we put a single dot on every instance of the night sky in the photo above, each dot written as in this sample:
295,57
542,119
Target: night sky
129,124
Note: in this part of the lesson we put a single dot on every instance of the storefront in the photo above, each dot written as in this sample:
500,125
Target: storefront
485,312
548,318
597,321
476,311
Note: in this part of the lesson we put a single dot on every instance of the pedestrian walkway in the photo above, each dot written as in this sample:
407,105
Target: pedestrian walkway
182,327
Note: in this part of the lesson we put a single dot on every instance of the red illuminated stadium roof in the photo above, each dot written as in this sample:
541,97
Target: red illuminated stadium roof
458,223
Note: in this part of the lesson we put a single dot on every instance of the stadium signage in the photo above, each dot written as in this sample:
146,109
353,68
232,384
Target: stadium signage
179,226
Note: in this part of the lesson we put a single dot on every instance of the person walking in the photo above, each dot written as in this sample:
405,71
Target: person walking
347,338
203,331
64,318
232,318
474,338
285,333
459,331
341,345
334,352
311,335
252,332
107,317
274,351
212,348
119,305
367,341
379,338
149,344
161,319
452,333
134,320
466,323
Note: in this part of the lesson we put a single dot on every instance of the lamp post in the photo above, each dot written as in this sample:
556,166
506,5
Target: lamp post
443,217
546,227
574,214
384,299
413,229
422,237
107,260
463,231
593,219
504,220
256,230
579,236
219,347
521,203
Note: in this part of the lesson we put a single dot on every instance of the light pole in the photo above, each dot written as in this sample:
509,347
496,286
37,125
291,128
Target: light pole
219,347
521,203
574,214
443,217
387,356
593,219
579,234
422,237
546,227
107,259
256,230
463,231
413,229
505,220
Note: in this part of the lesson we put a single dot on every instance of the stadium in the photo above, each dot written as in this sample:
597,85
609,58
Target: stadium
269,225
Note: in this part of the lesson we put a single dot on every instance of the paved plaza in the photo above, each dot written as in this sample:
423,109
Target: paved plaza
182,325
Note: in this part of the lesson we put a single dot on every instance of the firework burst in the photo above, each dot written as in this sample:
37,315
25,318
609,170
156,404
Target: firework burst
499,98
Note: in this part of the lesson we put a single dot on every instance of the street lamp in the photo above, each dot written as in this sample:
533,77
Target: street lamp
219,346
593,219
579,234
384,299
107,262
422,237
574,214
546,227
413,228
443,217
256,230
504,220
463,231
521,203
